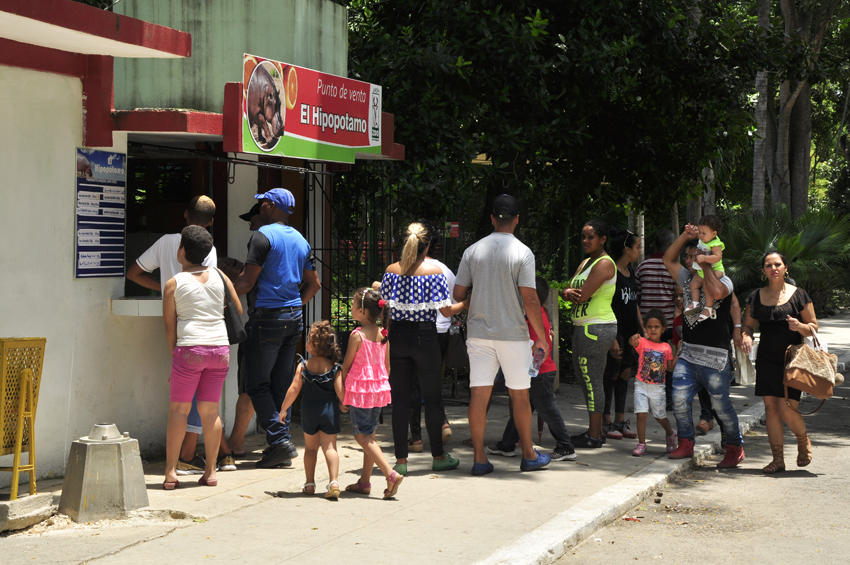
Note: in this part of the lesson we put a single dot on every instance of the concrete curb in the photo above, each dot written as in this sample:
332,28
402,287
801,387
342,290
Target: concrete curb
550,541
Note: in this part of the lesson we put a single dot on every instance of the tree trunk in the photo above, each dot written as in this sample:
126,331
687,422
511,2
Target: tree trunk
761,133
780,175
694,210
708,205
800,152
761,117
640,233
674,218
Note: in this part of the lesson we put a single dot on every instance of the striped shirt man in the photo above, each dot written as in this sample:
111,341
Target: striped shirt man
657,287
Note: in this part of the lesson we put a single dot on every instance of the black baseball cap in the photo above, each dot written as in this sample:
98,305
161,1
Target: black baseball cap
505,206
255,209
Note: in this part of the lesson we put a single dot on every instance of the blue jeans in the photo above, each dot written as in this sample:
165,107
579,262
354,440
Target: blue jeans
270,366
193,421
542,396
688,378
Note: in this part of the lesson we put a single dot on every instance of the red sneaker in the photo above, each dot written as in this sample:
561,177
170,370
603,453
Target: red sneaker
734,455
684,450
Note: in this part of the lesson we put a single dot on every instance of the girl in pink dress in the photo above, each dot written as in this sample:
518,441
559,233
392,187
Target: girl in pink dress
365,372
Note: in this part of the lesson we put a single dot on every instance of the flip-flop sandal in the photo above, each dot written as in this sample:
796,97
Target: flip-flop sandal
395,480
309,488
208,482
170,485
333,492
359,488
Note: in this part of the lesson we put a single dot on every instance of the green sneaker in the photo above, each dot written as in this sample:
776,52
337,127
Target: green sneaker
446,464
401,469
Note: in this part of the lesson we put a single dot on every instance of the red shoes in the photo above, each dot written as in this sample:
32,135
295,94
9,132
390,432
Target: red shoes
734,455
684,450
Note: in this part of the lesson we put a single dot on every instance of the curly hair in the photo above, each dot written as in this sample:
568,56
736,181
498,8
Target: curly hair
657,314
370,300
323,338
712,221
197,242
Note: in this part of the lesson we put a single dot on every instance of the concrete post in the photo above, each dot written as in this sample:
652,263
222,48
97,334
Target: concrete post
103,477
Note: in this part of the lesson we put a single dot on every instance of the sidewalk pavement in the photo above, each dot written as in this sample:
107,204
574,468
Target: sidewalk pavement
505,517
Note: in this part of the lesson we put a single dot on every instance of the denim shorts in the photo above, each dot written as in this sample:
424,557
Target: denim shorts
365,420
650,398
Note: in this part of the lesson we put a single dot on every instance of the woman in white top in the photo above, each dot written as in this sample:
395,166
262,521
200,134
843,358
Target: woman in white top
193,311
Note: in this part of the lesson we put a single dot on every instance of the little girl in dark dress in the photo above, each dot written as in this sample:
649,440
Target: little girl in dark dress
320,380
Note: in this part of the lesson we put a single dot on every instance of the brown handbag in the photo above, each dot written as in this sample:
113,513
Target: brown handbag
811,370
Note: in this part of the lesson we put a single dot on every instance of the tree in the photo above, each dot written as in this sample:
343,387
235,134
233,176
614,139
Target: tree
789,116
577,105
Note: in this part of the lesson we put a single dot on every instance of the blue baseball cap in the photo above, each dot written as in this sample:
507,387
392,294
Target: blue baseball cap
280,197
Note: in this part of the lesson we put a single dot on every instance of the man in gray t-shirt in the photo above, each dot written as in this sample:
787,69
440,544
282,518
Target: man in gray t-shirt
501,270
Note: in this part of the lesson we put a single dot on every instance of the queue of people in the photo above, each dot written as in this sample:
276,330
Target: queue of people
509,334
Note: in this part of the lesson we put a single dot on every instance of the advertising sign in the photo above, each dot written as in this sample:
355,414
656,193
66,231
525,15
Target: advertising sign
292,111
101,206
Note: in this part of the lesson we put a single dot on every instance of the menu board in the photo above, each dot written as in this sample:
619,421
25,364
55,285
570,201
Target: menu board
101,209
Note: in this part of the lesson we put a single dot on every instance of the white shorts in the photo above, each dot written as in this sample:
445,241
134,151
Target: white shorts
650,398
487,355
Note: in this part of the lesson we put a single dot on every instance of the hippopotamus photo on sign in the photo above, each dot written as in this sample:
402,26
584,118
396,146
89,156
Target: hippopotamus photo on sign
263,109
83,167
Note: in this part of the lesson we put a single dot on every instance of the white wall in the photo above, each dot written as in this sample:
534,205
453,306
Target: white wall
99,368
240,198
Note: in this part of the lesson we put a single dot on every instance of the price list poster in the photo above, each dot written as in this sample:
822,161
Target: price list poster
101,209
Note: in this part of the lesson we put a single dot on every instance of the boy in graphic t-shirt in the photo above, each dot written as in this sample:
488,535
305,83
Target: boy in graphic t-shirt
655,358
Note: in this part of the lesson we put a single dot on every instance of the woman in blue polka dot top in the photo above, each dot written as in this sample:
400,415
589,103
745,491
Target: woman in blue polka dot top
414,291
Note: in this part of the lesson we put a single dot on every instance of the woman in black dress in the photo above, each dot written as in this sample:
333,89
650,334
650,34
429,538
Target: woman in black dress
785,315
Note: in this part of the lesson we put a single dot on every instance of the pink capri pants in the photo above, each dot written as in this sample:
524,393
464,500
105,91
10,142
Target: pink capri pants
200,368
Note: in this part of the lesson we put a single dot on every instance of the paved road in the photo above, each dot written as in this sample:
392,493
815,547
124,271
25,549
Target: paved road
743,515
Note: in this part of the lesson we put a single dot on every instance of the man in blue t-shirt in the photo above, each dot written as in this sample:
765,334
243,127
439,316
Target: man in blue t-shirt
278,262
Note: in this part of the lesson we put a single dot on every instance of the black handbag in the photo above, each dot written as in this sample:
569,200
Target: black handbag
235,329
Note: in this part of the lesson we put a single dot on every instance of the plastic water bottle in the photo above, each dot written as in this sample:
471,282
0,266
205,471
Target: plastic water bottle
536,362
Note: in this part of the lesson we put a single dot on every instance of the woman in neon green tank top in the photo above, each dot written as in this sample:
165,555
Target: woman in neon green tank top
594,324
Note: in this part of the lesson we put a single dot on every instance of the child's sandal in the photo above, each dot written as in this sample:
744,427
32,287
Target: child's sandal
694,306
703,316
309,488
333,491
393,482
359,488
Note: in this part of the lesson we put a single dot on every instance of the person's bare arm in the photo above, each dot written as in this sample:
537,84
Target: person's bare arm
459,293
454,309
748,329
340,391
237,304
599,273
671,256
354,343
711,284
735,314
310,285
387,359
230,267
533,311
714,255
247,279
291,394
169,314
809,323
143,278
